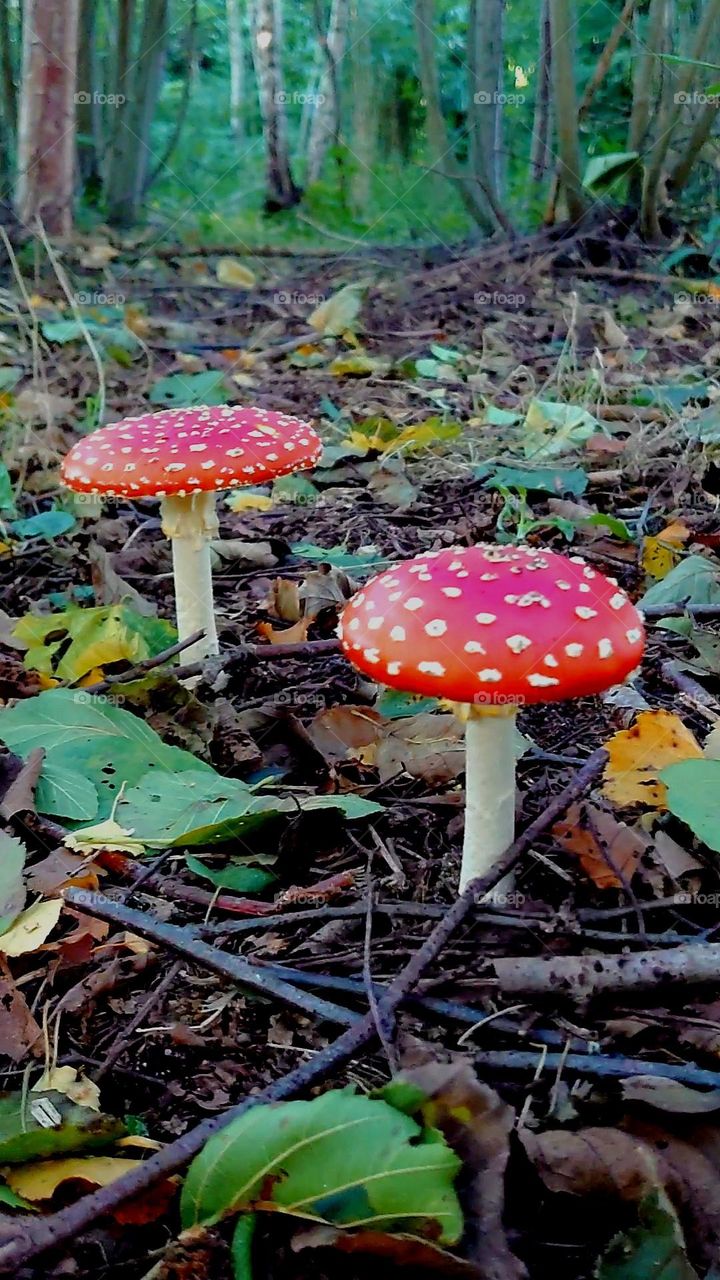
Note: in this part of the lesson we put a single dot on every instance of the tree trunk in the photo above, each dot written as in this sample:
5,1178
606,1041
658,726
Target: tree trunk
121,145
485,107
669,120
566,107
8,85
648,49
441,151
267,44
540,154
236,53
134,142
325,129
364,112
46,134
88,113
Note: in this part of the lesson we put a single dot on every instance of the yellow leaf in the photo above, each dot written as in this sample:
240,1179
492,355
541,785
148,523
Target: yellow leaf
338,313
230,271
65,1080
137,1140
249,501
40,1180
104,835
30,929
658,557
98,255
637,756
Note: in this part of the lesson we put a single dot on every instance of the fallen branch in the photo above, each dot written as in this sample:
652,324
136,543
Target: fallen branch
580,977
185,942
593,1064
26,1238
141,668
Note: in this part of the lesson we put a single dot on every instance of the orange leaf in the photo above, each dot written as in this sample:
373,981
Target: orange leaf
609,851
637,755
296,634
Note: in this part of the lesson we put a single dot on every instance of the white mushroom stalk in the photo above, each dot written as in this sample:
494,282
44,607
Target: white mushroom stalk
191,524
490,757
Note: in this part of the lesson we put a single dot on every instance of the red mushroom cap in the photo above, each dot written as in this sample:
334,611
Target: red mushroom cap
494,625
182,451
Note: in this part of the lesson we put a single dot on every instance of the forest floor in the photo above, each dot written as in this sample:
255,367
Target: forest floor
421,374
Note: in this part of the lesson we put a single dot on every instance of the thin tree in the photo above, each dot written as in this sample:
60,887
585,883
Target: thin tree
648,50
46,134
267,45
325,128
236,54
566,107
144,79
485,106
540,153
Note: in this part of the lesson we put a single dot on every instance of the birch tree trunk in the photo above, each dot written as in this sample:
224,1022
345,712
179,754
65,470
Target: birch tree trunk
566,107
236,53
267,44
325,128
46,134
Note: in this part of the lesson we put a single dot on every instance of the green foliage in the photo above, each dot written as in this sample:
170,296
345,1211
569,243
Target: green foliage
40,1125
342,1159
694,796
75,642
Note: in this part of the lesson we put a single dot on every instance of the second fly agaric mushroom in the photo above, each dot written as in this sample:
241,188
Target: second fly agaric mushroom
493,629
184,457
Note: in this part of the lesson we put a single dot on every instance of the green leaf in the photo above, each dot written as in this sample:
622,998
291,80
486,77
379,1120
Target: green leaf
695,580
617,527
706,427
241,1247
672,395
13,1201
203,808
90,638
395,704
241,879
603,172
12,887
91,739
654,1248
295,488
693,794
552,428
7,495
39,1125
66,793
48,524
182,389
545,480
343,1159
338,557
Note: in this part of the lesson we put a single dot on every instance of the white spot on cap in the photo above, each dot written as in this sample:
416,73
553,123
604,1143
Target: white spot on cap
436,628
634,635
542,682
452,592
490,675
393,668
474,646
585,613
397,633
550,660
618,600
486,619
374,624
563,586
371,655
414,603
432,668
605,648
518,643
353,624
574,650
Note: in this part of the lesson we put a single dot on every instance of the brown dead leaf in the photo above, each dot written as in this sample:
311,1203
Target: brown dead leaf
285,600
339,733
609,851
61,870
296,634
398,1250
41,1179
19,1032
478,1125
324,588
20,795
637,755
426,746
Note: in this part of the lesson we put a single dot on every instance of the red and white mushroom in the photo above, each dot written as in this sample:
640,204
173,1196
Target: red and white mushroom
493,629
184,457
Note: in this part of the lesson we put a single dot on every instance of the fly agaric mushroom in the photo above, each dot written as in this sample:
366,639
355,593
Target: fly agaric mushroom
184,457
493,629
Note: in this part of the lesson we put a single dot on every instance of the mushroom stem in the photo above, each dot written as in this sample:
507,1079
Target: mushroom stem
191,523
490,752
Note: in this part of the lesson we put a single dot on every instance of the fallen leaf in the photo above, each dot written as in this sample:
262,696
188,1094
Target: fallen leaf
339,312
637,755
20,1034
609,851
230,271
296,634
105,835
40,1180
66,1080
31,928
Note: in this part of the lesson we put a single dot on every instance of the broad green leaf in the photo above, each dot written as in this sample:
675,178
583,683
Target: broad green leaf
181,389
654,1248
693,794
617,527
395,704
12,887
342,1158
13,1201
10,375
295,488
496,417
338,313
97,638
540,480
672,395
48,524
241,879
241,1247
36,1126
603,172
339,558
696,580
437,369
101,743
65,793
706,427
552,428
203,808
